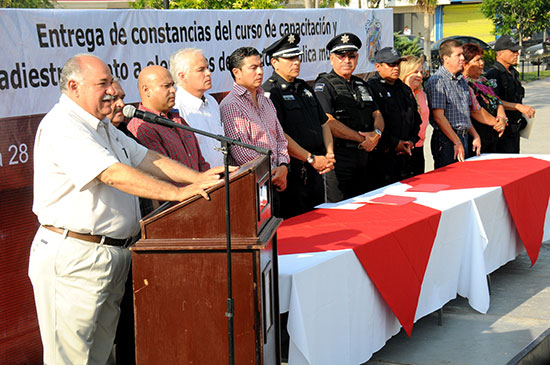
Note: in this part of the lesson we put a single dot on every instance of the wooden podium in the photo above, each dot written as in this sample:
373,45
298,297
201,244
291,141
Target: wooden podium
180,276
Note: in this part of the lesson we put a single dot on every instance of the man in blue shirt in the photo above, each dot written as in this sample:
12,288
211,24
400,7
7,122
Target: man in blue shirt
451,100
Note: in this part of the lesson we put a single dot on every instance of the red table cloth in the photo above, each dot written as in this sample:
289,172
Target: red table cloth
393,243
525,184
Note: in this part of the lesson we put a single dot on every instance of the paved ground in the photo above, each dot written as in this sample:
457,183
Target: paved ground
520,297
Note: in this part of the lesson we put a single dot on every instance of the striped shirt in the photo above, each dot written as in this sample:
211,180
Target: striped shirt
178,144
451,93
253,125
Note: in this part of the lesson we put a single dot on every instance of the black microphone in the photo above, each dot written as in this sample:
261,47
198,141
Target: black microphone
130,111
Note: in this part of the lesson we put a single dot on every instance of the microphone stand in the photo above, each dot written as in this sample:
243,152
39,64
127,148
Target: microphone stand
226,143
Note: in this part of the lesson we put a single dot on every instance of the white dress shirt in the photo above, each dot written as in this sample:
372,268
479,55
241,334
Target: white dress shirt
72,147
203,114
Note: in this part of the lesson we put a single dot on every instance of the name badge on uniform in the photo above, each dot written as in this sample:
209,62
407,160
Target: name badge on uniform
288,97
319,87
365,96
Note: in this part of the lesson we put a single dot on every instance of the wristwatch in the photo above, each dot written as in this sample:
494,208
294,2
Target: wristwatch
378,131
310,159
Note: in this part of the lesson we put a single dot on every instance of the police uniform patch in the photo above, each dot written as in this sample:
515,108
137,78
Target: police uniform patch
288,97
308,93
365,96
319,87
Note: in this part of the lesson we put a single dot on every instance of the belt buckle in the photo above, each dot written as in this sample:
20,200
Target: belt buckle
127,242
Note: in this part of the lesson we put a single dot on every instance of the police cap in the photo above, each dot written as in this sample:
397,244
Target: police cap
344,42
286,47
387,55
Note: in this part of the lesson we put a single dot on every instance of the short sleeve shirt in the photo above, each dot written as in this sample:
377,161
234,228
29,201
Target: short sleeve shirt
298,111
178,144
71,149
452,94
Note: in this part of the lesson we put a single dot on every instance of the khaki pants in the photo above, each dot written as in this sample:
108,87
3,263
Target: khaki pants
78,287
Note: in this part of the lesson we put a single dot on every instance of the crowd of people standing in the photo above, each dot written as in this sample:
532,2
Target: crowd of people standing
333,140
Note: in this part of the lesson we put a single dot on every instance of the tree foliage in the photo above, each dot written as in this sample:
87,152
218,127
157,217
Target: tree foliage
209,4
428,8
35,4
517,16
406,46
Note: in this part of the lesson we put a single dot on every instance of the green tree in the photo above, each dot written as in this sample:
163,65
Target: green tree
26,4
209,4
406,46
428,8
517,16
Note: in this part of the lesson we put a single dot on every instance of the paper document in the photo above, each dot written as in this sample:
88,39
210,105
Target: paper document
428,188
526,132
392,200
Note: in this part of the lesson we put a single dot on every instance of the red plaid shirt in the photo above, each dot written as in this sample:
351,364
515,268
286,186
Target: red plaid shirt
257,126
178,144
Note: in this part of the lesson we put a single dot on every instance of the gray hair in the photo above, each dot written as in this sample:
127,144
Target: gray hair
72,70
179,62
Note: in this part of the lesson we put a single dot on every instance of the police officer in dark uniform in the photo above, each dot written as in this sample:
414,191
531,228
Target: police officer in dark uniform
305,126
353,117
392,157
509,90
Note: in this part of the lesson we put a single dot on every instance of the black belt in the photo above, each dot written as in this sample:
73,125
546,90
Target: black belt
460,132
344,144
91,238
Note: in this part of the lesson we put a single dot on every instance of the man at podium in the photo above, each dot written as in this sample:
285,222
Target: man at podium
87,175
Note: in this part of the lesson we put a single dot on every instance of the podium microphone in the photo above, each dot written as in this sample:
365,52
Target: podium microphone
130,111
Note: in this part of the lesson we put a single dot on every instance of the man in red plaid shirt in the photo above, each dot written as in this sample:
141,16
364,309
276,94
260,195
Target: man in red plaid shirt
158,95
251,117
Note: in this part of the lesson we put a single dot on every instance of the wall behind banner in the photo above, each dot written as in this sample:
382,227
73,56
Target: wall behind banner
36,44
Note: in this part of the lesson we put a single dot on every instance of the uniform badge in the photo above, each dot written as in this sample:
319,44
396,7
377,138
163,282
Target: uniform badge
388,95
365,96
308,93
288,97
319,87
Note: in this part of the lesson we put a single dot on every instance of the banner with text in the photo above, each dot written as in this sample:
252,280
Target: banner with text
38,42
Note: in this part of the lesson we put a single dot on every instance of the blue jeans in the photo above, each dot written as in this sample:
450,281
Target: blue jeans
443,148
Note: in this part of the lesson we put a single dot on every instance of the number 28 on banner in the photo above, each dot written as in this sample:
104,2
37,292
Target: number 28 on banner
15,155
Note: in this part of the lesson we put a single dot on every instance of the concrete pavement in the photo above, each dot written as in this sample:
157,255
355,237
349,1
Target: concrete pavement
520,294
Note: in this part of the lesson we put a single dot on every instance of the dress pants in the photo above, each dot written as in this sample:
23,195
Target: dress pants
509,142
305,189
350,176
443,148
78,286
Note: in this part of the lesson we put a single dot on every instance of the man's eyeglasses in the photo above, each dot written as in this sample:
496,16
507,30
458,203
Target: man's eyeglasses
343,55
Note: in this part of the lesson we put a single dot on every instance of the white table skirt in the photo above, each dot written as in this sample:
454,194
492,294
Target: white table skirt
336,314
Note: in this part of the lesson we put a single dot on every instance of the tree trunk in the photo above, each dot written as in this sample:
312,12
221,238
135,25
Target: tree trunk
307,4
427,36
